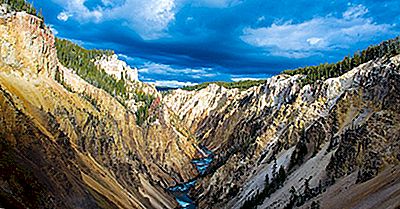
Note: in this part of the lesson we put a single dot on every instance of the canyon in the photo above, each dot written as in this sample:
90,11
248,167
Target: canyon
65,143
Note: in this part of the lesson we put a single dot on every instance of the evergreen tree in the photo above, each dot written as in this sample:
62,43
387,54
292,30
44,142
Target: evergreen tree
315,205
266,185
293,192
281,175
274,171
307,189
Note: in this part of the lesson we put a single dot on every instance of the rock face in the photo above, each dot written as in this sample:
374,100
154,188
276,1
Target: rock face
73,145
323,132
23,31
117,68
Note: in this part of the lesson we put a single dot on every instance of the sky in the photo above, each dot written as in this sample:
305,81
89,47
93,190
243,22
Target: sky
184,42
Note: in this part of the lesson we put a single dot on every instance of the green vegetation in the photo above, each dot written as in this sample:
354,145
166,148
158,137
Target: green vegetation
297,199
82,62
242,85
22,5
142,114
324,71
59,77
300,151
269,188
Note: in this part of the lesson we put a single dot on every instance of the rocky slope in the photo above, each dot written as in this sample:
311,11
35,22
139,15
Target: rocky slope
319,134
73,145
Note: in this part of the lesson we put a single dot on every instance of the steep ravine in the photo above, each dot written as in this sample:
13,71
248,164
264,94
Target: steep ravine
323,132
182,191
75,144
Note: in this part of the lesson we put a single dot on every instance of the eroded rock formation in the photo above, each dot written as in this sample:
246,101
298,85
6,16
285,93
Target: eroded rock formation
322,132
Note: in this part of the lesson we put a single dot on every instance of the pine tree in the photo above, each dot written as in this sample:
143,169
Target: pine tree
281,176
266,185
274,171
307,189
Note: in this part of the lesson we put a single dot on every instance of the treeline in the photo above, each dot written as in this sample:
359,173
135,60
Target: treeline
22,5
324,71
82,62
242,85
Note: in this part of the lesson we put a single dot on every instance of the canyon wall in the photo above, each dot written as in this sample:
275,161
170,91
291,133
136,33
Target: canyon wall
341,128
76,146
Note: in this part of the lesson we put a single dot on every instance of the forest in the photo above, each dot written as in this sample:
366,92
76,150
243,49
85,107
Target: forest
322,72
22,5
82,60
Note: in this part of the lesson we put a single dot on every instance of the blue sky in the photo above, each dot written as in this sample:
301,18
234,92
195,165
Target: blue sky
183,42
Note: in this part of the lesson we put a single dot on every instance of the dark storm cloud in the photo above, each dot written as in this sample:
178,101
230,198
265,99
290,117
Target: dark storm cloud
207,40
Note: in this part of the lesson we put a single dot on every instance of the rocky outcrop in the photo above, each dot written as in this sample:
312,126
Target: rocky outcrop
75,144
27,32
117,68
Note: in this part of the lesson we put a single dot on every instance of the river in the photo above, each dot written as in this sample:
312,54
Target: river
181,191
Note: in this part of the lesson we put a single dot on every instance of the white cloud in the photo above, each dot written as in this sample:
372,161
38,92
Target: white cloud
246,79
170,75
215,3
299,40
188,19
150,18
112,3
355,12
107,2
168,71
55,32
314,40
63,16
125,57
130,59
260,19
172,83
77,9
